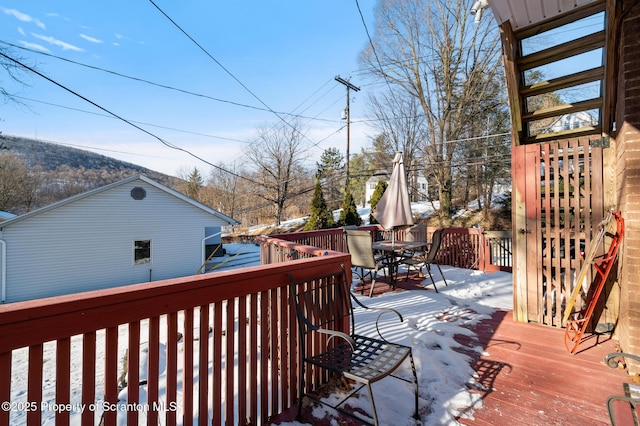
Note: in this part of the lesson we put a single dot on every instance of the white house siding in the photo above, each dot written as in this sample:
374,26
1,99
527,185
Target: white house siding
88,244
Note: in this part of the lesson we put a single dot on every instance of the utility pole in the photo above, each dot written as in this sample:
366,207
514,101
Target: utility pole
349,87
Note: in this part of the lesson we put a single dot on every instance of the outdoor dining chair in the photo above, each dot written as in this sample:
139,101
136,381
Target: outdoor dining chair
416,233
360,247
420,261
330,345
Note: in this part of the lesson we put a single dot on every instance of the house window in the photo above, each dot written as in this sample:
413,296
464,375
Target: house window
141,252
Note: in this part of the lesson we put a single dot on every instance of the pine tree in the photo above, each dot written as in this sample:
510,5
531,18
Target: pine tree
320,217
375,197
331,170
349,214
193,184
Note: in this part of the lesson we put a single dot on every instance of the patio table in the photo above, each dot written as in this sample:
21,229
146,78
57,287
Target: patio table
394,251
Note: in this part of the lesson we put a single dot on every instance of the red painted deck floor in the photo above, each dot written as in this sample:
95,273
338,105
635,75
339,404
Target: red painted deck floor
530,377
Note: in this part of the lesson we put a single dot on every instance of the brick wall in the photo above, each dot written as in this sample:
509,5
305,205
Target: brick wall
628,183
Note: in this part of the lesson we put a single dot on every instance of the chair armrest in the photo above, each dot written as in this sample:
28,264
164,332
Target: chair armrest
610,359
382,311
333,333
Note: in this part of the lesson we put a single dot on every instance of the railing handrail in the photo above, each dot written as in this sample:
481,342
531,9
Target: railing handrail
102,308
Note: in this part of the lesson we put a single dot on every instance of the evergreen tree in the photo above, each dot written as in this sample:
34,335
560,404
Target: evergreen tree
375,197
331,170
320,216
194,183
349,214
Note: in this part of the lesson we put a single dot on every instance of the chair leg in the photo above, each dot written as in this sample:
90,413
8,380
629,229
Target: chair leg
300,392
415,383
443,278
373,283
409,266
431,277
373,405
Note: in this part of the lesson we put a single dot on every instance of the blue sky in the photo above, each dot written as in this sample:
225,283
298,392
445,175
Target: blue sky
285,53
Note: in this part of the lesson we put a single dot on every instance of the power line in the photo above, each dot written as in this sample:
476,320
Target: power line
133,121
164,86
206,52
130,123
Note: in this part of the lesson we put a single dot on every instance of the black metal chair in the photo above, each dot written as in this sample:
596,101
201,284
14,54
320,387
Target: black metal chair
623,407
420,261
328,341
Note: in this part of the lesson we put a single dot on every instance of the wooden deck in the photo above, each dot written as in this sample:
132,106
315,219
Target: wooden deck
530,377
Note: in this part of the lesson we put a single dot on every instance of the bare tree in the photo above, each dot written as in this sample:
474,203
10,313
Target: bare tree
11,69
225,188
399,121
432,50
277,156
17,185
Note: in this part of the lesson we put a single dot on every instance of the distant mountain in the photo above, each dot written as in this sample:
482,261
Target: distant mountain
52,157
58,172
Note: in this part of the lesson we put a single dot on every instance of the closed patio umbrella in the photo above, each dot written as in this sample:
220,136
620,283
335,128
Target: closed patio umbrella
393,210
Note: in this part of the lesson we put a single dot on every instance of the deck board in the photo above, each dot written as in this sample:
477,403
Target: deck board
539,382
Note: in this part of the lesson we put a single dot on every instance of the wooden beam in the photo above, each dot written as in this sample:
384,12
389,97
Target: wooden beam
576,79
557,110
510,50
563,134
610,80
562,51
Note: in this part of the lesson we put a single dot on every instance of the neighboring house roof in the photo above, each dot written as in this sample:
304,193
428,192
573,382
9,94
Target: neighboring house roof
379,175
143,178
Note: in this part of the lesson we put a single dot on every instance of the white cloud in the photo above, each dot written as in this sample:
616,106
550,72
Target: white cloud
34,46
21,31
56,42
90,39
24,17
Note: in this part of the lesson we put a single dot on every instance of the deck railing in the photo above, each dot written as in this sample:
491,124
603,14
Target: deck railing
220,348
136,353
471,248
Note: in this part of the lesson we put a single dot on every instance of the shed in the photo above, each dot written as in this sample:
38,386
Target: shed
132,231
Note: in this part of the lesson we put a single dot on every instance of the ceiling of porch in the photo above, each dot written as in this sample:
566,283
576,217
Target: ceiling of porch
523,13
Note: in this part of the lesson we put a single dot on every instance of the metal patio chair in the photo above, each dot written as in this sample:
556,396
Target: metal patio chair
328,342
360,247
623,408
426,260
